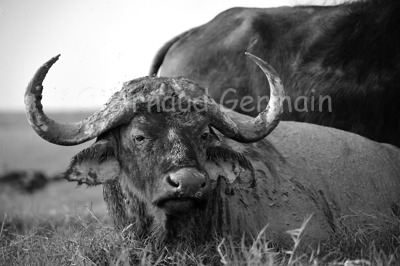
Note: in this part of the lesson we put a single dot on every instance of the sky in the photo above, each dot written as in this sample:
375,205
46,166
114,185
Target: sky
102,44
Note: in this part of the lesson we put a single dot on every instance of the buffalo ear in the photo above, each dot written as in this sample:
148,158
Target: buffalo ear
232,165
94,165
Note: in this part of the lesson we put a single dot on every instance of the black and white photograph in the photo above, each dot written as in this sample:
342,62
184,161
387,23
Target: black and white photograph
258,132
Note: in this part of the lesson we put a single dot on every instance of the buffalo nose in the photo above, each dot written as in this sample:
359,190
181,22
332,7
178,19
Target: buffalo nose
186,180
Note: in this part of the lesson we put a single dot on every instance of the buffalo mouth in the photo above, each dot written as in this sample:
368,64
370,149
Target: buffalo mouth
180,205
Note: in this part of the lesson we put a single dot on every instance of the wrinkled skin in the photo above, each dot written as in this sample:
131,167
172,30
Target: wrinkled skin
150,147
161,144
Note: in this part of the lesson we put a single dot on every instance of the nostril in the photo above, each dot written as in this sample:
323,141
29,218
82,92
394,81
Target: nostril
171,182
203,184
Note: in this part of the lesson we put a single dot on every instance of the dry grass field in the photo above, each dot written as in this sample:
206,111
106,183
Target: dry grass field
63,224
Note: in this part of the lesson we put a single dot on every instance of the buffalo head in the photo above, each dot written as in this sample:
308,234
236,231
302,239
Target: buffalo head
155,139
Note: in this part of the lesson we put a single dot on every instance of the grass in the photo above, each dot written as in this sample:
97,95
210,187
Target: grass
66,225
89,240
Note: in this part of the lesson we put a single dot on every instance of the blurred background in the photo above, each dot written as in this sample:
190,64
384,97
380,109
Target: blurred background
102,44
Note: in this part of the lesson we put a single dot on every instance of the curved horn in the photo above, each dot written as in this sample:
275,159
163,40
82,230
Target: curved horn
254,129
66,133
121,106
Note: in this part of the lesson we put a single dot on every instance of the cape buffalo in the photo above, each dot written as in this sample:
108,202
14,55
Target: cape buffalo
172,161
26,181
340,65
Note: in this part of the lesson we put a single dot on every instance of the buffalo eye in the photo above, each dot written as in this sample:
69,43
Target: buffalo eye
139,139
205,135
